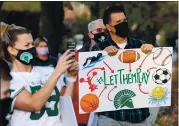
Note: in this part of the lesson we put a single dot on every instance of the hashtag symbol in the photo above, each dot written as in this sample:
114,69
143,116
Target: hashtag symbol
100,80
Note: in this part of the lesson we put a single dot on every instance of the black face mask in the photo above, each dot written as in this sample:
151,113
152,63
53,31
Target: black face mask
100,37
5,105
122,29
26,56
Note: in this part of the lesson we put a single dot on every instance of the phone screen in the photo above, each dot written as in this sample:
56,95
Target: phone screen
71,45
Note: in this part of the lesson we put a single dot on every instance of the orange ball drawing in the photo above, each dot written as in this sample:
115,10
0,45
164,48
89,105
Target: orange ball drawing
129,56
89,103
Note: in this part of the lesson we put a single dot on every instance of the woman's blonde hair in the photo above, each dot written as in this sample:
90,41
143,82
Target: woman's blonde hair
8,37
39,40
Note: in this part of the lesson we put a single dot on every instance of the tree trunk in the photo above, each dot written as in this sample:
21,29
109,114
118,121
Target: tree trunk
51,25
1,3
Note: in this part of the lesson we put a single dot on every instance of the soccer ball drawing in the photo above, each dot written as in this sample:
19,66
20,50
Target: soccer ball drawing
161,76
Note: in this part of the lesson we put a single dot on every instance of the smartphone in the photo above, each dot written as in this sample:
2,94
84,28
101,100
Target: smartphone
71,45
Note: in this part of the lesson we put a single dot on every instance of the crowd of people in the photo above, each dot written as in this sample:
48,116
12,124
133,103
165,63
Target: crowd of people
32,80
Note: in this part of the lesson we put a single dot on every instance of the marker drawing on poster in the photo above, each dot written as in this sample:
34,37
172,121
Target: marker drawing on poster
108,83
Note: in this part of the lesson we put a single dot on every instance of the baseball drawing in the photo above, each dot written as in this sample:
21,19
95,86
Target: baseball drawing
165,56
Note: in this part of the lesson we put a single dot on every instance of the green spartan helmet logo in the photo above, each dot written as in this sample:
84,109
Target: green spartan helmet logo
124,98
26,57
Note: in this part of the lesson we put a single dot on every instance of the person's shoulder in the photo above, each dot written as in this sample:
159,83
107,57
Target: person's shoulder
17,78
43,69
136,40
53,58
85,47
53,61
15,75
135,43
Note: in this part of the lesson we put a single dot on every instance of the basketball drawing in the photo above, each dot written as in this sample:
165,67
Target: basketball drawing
89,103
161,76
129,56
162,56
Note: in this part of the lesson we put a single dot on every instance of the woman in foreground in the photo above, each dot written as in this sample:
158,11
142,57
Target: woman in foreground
35,90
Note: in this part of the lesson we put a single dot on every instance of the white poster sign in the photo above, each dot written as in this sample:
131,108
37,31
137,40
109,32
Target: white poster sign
128,80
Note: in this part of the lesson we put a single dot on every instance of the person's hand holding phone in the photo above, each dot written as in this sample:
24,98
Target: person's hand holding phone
71,45
65,62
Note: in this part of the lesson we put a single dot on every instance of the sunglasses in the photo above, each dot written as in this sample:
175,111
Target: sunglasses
98,30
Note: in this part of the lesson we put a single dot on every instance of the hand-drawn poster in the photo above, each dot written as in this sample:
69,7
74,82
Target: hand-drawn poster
130,79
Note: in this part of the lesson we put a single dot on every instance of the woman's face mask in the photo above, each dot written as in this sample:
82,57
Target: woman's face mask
26,56
42,51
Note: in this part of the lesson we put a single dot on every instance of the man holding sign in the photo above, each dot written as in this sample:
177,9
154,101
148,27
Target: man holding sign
115,20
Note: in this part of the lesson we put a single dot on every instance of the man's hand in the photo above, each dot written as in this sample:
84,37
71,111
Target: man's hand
146,48
111,50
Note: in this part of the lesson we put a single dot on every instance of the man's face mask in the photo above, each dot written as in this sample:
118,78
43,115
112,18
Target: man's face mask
42,51
100,37
26,56
122,29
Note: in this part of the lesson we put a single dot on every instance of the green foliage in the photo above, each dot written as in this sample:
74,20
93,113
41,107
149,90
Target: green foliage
22,6
150,17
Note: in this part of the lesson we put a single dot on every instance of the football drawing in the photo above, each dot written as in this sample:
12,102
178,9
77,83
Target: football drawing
129,56
162,56
161,76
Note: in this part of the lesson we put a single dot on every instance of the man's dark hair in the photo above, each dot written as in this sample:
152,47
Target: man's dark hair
109,11
4,70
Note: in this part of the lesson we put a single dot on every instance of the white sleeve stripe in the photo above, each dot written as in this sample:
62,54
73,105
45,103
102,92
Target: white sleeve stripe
12,105
17,93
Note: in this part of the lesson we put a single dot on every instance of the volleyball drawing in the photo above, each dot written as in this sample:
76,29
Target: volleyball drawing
89,103
129,56
162,56
161,76
158,93
158,96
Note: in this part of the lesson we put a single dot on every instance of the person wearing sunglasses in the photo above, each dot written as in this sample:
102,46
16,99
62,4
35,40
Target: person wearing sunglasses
97,35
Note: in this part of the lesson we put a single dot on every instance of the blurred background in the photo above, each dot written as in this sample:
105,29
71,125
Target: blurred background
59,22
